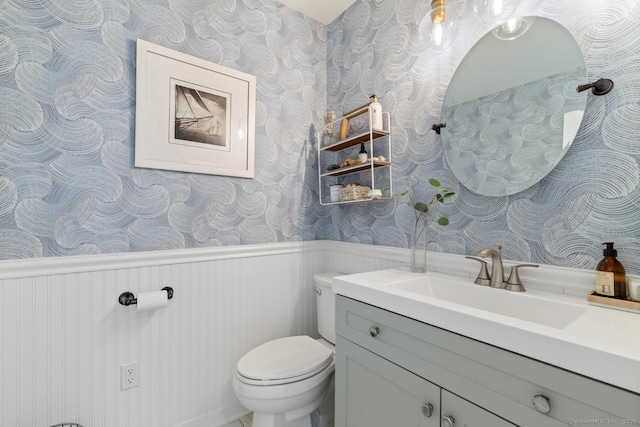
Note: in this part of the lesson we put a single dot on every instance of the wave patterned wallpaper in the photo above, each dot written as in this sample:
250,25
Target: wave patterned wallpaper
67,110
592,196
68,185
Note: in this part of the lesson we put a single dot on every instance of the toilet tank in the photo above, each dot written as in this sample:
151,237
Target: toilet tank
326,305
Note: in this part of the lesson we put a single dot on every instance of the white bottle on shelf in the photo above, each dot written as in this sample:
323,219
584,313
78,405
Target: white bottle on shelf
376,113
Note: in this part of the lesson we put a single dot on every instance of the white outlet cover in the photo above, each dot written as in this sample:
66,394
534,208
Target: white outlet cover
129,375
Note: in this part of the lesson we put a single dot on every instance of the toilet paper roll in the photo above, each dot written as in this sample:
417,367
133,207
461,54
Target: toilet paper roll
152,300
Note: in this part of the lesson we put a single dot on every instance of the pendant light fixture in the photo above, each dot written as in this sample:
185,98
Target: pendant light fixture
513,28
495,11
438,25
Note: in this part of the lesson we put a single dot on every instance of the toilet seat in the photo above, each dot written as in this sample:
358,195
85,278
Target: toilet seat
284,361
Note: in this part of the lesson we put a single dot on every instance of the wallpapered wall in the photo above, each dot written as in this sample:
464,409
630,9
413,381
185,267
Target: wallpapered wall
67,110
68,185
592,196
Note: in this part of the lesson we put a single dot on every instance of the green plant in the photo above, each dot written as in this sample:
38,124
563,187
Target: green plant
421,209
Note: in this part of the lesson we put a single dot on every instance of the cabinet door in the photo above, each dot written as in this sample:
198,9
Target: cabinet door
373,392
457,412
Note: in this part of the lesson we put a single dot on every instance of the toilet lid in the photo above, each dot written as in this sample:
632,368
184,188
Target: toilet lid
284,358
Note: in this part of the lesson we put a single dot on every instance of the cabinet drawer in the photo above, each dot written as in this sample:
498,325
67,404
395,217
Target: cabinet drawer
503,382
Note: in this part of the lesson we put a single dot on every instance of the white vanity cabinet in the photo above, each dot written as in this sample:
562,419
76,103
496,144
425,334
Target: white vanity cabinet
389,368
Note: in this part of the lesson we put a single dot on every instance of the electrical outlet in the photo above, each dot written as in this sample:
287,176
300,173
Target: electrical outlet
129,375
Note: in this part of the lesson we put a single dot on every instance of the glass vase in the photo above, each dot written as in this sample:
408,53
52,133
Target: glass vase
419,247
328,140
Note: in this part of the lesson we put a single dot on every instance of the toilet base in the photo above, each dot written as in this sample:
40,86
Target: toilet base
299,417
324,415
319,412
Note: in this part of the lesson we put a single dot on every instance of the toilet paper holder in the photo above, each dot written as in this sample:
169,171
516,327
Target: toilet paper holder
128,298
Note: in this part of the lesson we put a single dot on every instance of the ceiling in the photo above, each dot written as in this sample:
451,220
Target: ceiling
324,11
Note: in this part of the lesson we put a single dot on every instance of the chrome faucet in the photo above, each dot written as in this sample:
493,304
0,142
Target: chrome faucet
497,272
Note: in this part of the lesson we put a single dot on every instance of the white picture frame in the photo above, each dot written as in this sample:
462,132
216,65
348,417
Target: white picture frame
193,115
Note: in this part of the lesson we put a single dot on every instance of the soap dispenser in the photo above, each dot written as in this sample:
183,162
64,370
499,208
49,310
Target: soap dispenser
611,279
376,113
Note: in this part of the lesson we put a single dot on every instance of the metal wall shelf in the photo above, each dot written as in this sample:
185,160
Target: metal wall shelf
374,140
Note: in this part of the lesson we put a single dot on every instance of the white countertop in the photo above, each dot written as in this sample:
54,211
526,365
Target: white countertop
600,343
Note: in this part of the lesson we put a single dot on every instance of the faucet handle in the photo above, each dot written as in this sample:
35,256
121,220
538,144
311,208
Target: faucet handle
483,277
513,282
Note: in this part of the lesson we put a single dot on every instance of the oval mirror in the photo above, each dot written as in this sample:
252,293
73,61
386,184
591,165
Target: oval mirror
511,109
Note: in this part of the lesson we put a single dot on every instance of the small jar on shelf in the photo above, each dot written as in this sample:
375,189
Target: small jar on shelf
362,155
335,192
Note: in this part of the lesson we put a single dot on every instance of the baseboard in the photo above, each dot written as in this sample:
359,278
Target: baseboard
218,418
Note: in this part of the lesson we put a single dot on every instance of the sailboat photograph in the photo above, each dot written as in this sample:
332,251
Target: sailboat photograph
200,116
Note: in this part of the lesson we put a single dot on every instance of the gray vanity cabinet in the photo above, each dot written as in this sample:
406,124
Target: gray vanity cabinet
373,392
390,367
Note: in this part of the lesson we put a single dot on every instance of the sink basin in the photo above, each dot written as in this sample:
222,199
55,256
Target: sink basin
523,306
550,327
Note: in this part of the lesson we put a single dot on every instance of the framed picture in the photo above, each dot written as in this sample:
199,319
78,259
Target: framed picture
193,115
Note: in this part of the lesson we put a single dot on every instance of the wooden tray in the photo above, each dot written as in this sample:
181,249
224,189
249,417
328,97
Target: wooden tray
618,304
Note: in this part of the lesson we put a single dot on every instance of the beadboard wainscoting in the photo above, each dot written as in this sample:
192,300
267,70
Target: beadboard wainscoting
64,336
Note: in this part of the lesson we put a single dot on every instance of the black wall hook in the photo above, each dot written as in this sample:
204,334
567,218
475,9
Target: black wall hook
127,298
599,87
436,127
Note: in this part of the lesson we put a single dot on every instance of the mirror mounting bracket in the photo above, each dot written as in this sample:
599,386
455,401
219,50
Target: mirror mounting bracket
599,87
437,126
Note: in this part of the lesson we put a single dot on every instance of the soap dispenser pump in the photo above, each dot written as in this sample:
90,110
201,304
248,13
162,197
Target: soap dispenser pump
611,279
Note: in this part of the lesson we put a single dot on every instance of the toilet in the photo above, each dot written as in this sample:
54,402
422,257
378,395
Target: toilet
288,382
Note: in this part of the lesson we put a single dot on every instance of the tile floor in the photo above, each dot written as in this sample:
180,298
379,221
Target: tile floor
242,422
246,422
